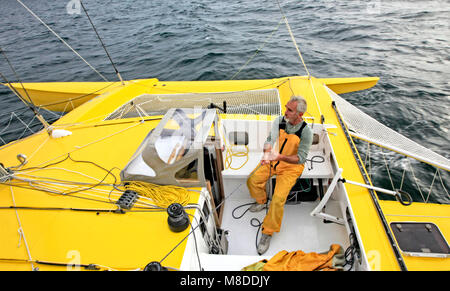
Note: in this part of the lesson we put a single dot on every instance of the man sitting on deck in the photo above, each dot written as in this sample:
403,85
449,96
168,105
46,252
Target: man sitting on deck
294,141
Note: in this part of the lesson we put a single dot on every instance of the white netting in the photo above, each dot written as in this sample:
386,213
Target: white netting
365,127
242,102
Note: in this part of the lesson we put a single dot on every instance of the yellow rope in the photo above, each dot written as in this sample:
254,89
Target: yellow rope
230,153
162,195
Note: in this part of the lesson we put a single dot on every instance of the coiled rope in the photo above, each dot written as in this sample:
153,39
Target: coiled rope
232,152
162,195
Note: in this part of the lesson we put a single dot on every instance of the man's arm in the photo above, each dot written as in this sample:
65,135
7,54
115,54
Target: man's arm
305,145
274,132
293,159
271,140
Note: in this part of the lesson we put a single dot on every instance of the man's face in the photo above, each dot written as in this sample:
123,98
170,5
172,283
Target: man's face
291,113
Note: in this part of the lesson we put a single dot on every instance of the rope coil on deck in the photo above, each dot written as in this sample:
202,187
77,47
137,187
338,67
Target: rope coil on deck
162,195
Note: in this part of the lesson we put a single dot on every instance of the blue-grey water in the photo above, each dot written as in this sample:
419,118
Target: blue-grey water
405,43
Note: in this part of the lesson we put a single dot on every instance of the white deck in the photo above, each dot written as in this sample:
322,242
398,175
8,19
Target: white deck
299,231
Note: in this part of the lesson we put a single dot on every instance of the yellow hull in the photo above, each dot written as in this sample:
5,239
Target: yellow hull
421,212
133,239
347,85
66,96
62,96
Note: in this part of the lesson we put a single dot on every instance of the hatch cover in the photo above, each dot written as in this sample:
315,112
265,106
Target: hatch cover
422,239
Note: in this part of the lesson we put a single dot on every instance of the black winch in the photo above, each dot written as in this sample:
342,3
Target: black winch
155,266
178,219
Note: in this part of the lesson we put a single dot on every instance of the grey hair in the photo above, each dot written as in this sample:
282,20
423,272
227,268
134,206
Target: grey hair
301,103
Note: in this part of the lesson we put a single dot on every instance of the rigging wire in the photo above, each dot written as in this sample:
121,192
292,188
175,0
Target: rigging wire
293,38
62,40
103,45
34,185
258,50
302,60
368,160
196,246
30,104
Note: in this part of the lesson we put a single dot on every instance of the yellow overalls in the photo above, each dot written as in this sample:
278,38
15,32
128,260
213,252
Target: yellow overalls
287,175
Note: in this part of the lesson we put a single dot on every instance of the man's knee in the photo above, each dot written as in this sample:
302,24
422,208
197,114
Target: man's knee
258,176
250,182
279,200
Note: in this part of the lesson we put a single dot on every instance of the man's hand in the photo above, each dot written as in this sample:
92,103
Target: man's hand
270,155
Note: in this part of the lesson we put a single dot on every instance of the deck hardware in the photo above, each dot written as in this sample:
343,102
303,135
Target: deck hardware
178,219
127,200
317,212
154,266
398,194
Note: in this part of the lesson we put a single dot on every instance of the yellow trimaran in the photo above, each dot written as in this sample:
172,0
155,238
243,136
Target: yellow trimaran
59,209
149,175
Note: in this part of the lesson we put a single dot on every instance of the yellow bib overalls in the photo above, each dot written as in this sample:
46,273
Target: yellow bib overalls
287,175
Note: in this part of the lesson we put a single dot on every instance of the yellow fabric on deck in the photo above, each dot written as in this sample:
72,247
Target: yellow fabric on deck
298,261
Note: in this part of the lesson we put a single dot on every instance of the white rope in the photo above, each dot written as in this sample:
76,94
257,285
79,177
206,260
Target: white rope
26,125
387,168
403,178
32,155
442,183
90,143
7,126
370,161
9,122
431,186
367,160
139,110
59,189
62,40
301,59
315,98
26,173
415,180
20,230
